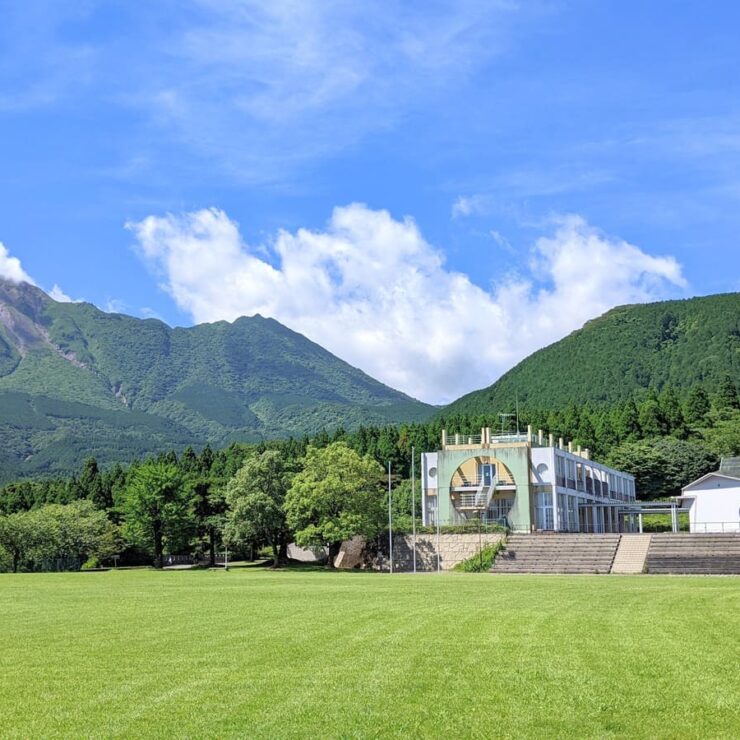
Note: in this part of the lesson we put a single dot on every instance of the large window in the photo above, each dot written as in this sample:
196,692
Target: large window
499,508
543,511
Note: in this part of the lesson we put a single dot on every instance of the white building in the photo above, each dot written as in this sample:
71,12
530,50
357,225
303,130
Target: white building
526,481
713,500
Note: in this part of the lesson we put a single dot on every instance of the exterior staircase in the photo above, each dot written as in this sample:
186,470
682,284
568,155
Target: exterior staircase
694,553
631,554
557,553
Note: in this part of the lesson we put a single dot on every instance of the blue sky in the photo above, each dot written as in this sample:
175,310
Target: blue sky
515,168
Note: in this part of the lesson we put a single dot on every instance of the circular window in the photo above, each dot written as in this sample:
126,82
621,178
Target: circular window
432,472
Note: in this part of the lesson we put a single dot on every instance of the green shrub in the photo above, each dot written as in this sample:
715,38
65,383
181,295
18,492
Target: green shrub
90,564
482,561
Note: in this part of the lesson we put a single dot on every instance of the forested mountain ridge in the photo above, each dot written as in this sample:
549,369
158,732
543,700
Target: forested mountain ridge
621,354
76,381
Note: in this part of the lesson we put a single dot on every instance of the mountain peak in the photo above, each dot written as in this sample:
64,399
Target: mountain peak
81,382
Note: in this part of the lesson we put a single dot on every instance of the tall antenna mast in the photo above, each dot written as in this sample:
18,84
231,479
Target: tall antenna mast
503,417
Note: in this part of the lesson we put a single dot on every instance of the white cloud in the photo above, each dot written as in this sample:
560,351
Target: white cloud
501,241
115,305
11,269
265,87
371,290
59,295
463,206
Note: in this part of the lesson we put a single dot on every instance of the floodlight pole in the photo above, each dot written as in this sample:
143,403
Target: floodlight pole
390,518
413,500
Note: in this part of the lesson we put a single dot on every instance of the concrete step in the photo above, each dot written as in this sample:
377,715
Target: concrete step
631,553
557,553
694,553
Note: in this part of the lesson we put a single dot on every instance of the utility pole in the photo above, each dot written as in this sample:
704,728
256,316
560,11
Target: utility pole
390,518
413,500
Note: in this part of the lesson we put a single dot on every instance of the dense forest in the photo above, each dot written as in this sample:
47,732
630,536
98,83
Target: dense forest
627,353
665,440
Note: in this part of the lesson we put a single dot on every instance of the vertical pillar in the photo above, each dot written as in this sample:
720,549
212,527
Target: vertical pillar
444,438
639,522
674,519
594,519
540,437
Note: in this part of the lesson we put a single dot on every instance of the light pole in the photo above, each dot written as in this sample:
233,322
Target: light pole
390,518
413,500
504,416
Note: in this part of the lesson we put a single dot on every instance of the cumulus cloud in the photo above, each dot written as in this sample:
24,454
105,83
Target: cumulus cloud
373,291
11,269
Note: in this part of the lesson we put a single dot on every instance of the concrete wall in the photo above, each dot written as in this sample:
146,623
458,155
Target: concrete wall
453,548
715,510
516,459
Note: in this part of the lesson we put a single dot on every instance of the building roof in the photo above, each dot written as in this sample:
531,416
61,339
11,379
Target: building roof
709,475
730,466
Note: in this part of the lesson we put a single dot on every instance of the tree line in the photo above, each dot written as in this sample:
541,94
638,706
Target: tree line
192,504
320,490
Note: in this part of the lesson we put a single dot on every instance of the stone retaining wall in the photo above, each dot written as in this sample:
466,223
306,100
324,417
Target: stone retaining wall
453,548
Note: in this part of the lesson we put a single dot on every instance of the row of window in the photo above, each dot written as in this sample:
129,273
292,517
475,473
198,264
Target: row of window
580,476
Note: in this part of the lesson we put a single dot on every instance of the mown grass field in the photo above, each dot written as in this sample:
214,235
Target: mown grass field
254,653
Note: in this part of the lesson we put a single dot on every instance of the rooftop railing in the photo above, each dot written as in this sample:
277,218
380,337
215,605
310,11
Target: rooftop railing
476,439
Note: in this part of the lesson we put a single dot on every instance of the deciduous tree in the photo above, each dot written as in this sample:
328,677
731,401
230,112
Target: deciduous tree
256,496
156,508
336,496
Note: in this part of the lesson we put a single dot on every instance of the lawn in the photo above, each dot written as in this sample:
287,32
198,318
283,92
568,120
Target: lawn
312,654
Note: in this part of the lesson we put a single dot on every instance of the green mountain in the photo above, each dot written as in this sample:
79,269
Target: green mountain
677,344
75,382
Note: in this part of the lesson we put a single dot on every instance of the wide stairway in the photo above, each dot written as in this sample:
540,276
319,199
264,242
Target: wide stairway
694,553
557,553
